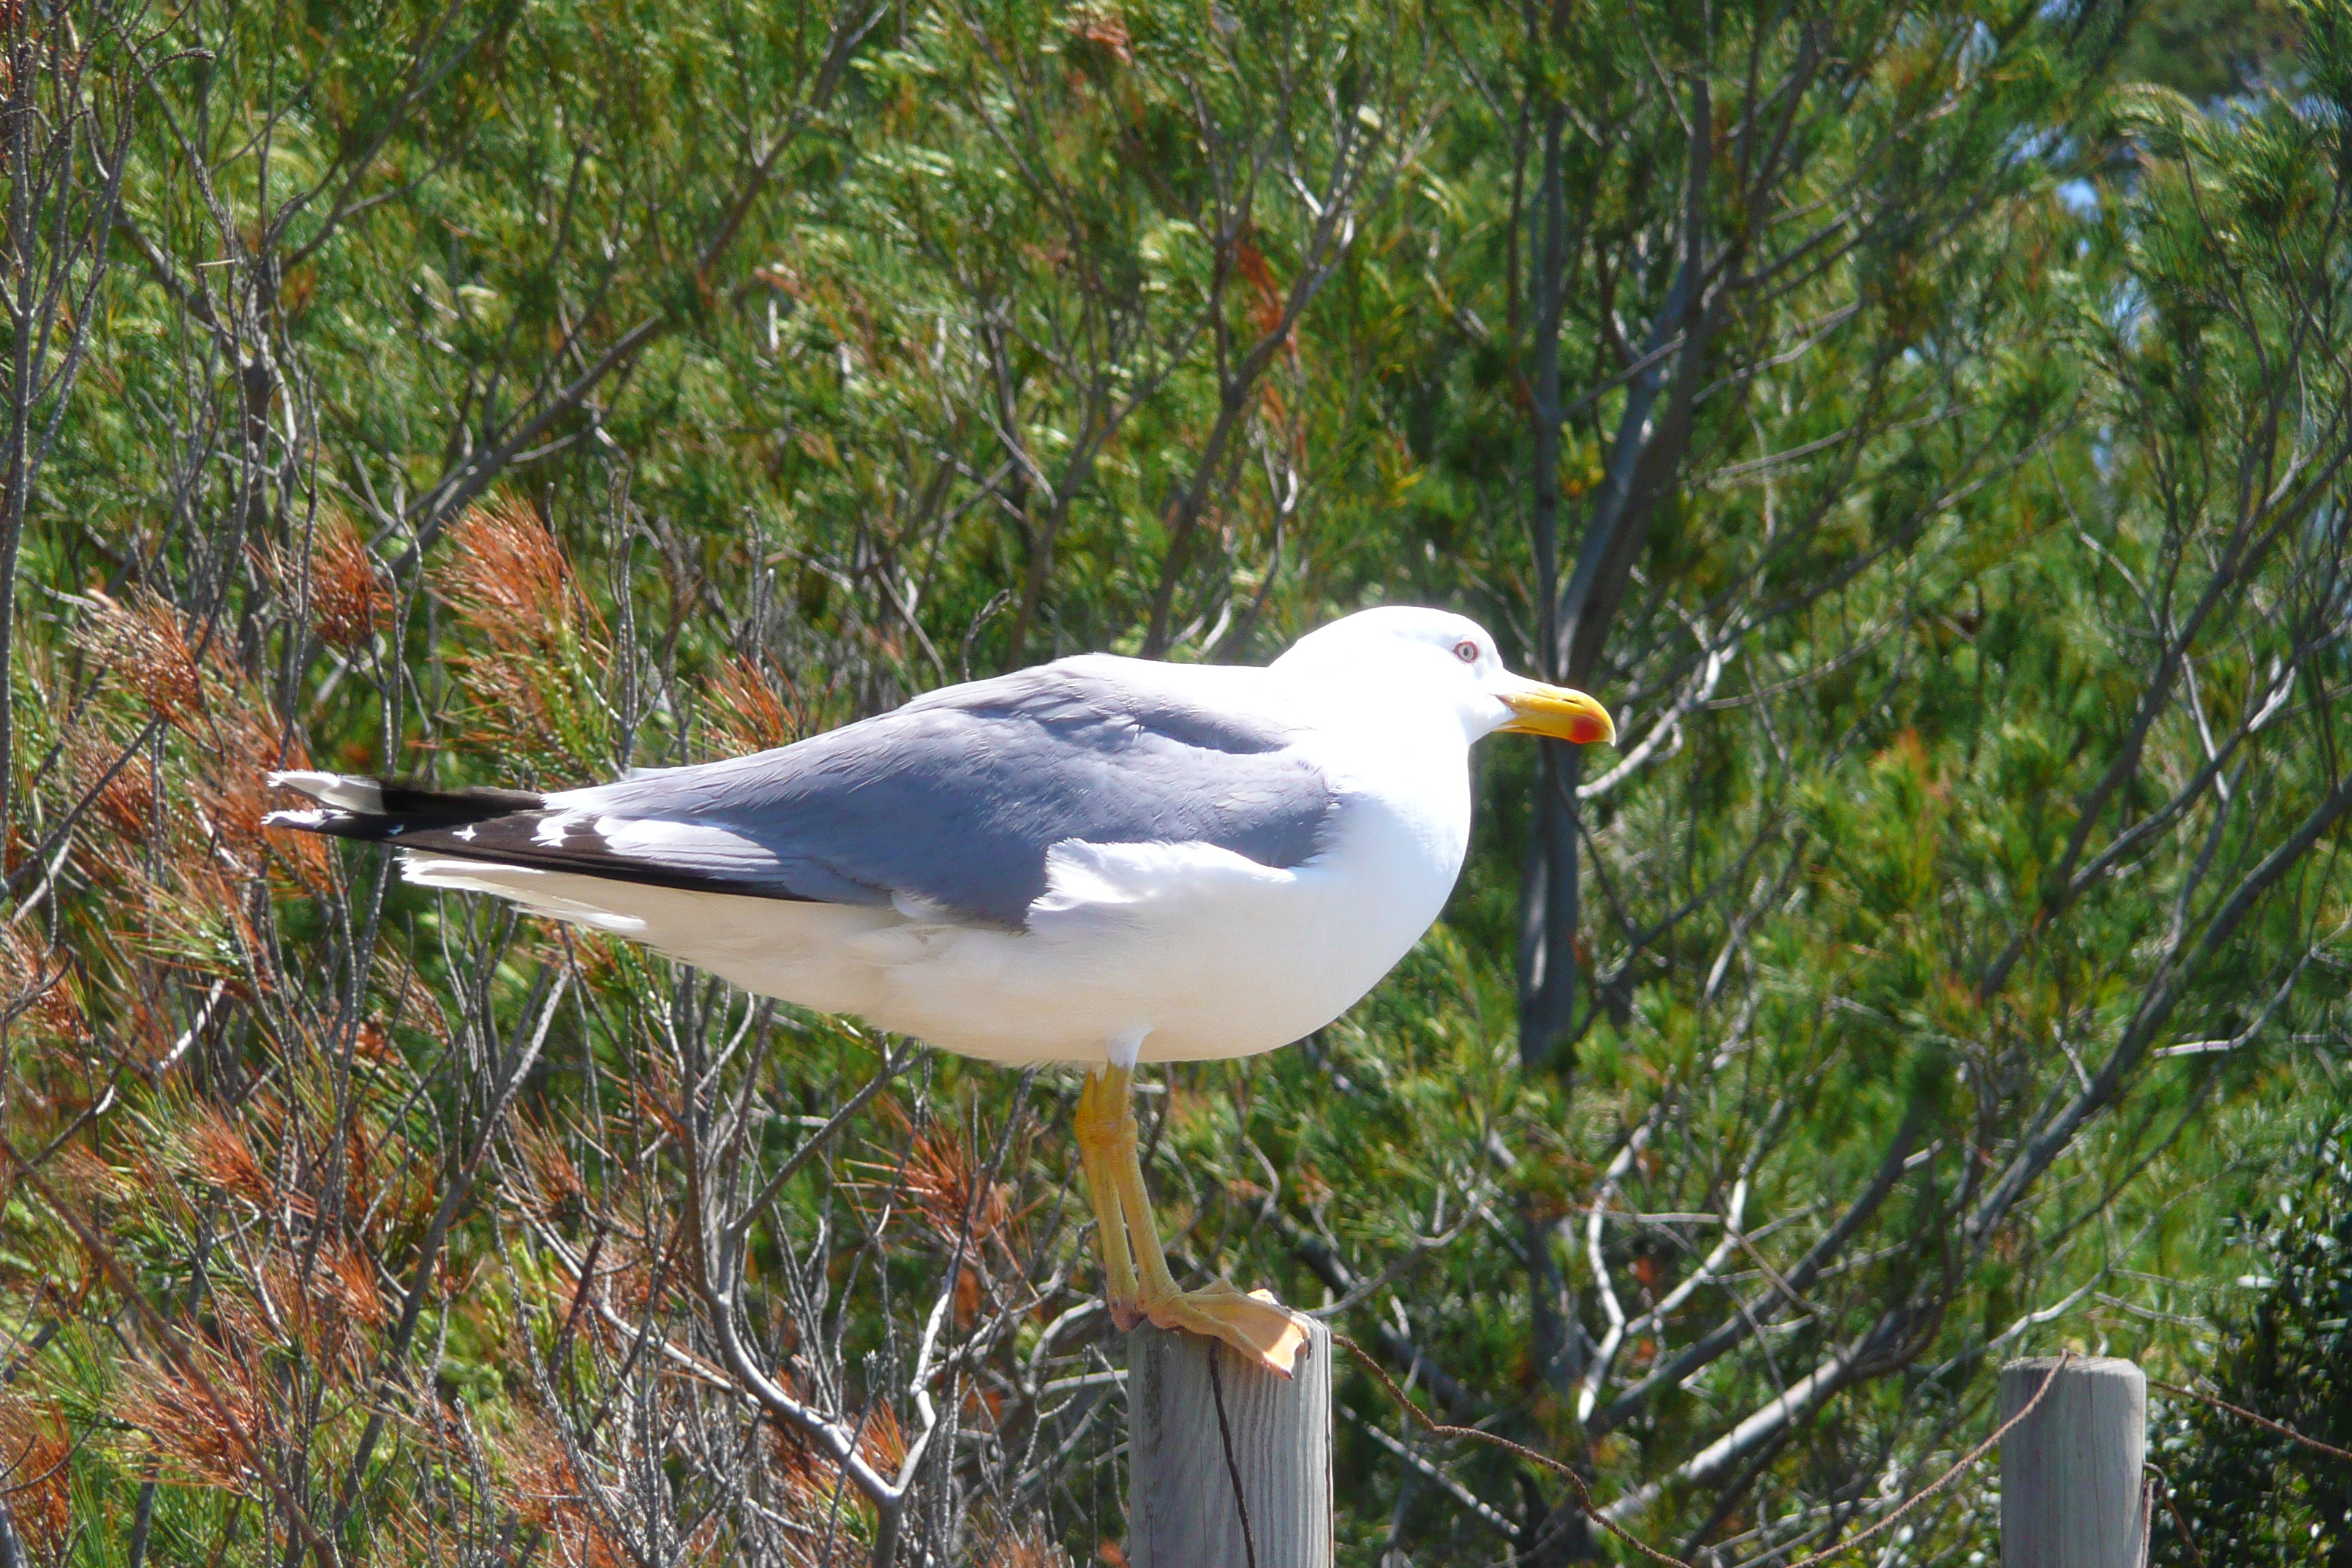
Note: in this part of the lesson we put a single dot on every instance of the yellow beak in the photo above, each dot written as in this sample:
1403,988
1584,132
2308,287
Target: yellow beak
1558,712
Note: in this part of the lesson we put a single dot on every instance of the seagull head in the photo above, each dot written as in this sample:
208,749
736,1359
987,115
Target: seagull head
1451,658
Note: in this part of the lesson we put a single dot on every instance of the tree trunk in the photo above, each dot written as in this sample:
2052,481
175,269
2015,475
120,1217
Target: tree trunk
1547,956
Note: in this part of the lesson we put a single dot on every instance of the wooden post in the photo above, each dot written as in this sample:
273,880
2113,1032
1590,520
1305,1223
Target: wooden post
2071,1488
1193,1480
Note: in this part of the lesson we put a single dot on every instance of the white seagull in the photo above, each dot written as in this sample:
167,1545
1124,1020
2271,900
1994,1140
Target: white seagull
1101,861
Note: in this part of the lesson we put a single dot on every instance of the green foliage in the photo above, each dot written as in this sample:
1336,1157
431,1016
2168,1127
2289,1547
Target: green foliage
2209,50
2249,1495
508,395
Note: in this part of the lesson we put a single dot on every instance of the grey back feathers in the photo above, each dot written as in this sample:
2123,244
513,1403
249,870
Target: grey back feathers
953,800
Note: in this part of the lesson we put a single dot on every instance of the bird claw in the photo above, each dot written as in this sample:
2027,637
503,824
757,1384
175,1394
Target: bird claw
1252,1322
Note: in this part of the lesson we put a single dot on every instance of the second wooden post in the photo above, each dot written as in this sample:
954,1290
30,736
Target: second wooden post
2071,1490
1228,1466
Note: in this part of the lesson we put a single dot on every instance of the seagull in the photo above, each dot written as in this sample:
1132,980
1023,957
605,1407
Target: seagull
1099,862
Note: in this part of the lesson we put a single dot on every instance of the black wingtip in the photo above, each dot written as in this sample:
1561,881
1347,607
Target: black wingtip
352,806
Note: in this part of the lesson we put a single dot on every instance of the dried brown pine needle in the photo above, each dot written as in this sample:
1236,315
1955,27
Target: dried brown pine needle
744,710
557,1194
550,1494
35,1446
370,1042
84,1175
348,1281
505,575
1103,29
202,1443
146,643
216,1151
40,985
655,1097
883,1444
232,808
345,599
1030,1546
812,1483
120,787
197,918
605,963
362,1184
246,742
536,688
409,1000
942,1180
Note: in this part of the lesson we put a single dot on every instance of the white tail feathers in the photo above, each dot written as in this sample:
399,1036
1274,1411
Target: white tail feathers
341,791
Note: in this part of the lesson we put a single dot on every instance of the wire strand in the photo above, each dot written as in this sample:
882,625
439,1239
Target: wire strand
2173,1509
2250,1416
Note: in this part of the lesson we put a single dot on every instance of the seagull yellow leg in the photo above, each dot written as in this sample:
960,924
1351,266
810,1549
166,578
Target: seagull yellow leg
1102,1108
1251,1322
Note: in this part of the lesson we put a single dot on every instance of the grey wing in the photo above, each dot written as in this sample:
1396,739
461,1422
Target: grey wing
952,800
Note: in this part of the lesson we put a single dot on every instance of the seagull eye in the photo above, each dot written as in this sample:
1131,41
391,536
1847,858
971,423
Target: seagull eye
1466,651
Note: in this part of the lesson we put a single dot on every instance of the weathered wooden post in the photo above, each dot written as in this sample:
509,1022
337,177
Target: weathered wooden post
1247,1488
2071,1488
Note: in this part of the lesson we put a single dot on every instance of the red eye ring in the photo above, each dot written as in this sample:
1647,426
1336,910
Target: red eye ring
1466,651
